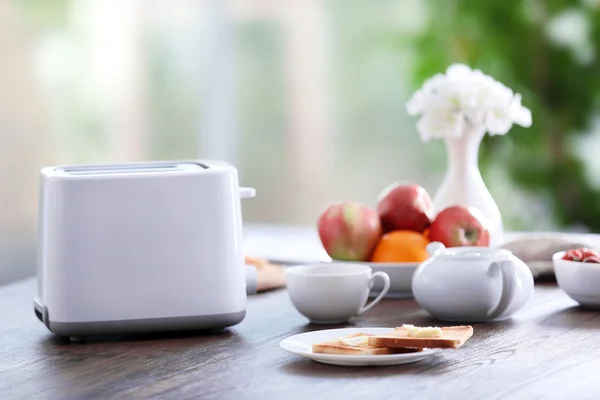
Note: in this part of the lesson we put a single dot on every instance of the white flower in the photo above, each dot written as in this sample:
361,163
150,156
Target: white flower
448,103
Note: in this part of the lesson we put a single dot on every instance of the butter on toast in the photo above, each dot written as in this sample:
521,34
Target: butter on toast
356,344
452,337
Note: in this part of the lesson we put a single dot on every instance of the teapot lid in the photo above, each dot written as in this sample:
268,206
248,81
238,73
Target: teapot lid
438,249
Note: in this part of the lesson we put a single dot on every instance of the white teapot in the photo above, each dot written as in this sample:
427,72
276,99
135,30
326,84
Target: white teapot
472,284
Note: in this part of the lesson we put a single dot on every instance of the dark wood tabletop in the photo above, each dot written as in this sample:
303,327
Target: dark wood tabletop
549,350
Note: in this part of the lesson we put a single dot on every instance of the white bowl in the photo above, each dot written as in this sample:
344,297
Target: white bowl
400,274
581,281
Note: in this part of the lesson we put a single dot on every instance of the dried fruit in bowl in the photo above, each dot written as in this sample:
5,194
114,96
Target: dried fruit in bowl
582,255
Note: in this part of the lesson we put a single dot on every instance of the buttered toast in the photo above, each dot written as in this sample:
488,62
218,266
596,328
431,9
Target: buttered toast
357,344
451,337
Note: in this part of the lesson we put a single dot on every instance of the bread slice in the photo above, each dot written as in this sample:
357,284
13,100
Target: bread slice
337,346
452,337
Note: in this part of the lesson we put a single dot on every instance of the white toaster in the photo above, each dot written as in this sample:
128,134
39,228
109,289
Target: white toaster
141,247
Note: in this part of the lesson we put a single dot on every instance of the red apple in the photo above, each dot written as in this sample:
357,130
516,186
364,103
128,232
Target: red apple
405,206
349,231
460,226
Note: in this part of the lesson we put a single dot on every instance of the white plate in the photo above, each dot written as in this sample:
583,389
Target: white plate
301,345
400,276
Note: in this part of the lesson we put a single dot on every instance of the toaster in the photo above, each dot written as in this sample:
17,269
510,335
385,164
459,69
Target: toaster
140,248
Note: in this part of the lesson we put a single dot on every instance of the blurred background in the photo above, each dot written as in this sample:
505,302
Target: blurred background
307,98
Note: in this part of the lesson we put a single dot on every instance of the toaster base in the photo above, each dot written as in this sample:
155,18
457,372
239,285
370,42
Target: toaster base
149,325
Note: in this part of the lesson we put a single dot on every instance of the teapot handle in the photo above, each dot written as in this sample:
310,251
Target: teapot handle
507,271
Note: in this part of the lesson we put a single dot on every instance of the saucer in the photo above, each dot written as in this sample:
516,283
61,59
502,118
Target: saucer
301,345
400,276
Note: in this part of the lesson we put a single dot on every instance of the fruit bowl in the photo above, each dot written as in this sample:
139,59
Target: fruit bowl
400,276
399,228
580,280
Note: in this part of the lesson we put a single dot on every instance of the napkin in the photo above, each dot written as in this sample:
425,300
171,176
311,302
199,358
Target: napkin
537,249
268,276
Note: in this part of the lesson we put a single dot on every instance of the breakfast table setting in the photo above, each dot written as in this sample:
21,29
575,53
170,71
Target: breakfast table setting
547,350
148,288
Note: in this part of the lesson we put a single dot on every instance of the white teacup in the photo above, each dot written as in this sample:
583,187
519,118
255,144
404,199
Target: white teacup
333,293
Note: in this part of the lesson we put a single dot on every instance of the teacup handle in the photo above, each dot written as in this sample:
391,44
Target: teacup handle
509,286
386,287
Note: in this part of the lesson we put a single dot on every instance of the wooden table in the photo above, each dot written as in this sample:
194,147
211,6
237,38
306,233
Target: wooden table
549,350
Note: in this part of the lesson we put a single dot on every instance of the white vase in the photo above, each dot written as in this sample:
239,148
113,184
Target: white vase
464,185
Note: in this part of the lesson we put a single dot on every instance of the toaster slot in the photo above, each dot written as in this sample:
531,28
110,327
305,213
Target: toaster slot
130,169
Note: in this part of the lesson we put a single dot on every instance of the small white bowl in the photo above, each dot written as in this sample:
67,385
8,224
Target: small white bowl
581,281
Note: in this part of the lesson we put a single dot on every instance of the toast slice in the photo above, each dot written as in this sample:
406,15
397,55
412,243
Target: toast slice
356,344
452,337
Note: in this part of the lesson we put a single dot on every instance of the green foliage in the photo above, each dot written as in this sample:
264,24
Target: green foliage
509,40
43,15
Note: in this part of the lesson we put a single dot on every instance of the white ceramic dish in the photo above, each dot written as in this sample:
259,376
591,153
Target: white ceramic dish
400,274
301,345
581,281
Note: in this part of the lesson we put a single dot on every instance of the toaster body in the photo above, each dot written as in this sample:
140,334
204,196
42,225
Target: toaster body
140,248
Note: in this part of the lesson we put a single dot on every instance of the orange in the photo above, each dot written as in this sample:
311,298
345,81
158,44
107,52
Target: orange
401,246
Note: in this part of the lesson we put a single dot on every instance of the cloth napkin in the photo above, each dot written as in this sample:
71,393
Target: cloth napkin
262,275
537,249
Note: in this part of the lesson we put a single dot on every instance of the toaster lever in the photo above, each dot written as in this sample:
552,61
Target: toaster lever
247,192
